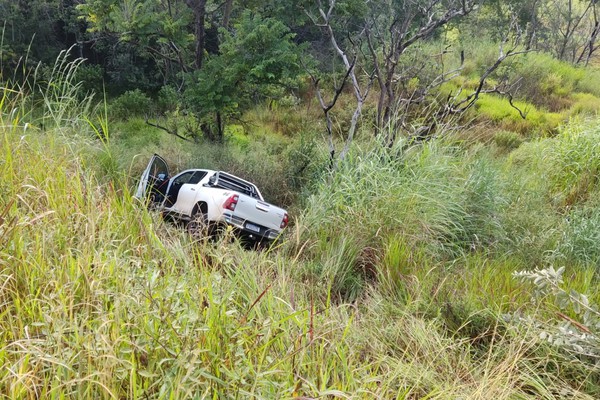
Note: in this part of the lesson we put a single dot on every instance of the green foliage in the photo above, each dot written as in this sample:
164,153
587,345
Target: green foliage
144,311
549,91
91,78
415,236
587,84
575,161
585,104
35,28
431,200
261,50
135,134
507,140
548,82
578,340
139,40
397,269
168,100
578,246
282,116
253,61
549,86
133,103
404,250
57,99
536,123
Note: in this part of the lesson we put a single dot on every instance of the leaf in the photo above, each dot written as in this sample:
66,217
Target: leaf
146,374
577,348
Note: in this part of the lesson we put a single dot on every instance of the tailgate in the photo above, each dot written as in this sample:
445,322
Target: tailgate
259,213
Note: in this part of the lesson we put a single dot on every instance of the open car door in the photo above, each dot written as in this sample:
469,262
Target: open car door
155,175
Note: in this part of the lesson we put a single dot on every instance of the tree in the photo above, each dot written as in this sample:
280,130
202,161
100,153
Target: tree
379,35
325,20
35,30
147,36
255,58
392,27
199,9
564,20
590,46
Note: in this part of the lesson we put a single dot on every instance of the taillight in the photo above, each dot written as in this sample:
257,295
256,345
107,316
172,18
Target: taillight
231,202
285,221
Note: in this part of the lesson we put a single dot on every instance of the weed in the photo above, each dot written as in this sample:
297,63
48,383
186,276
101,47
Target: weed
508,140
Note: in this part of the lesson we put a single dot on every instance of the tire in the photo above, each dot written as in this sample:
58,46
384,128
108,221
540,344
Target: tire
197,226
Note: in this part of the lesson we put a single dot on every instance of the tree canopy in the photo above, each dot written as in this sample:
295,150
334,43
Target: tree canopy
220,57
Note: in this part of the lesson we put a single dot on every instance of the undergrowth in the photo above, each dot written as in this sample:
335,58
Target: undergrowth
393,282
99,299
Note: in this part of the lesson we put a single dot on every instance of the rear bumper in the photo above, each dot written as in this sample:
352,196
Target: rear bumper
257,231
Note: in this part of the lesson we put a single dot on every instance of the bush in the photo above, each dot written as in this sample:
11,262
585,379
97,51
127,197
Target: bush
548,82
168,100
536,123
425,196
135,134
585,103
507,140
91,78
579,242
131,103
574,164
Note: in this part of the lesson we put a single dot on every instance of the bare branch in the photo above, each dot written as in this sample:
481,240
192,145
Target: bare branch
469,101
169,131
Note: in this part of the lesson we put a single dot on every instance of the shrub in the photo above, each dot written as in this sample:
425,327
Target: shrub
423,196
589,84
585,103
543,76
168,100
577,337
135,134
574,164
507,140
91,78
580,238
131,103
537,122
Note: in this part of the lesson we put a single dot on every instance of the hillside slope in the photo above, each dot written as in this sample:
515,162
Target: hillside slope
390,296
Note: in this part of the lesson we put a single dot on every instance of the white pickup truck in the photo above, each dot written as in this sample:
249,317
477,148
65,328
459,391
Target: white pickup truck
205,199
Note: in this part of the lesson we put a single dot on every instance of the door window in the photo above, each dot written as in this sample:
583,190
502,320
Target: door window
191,177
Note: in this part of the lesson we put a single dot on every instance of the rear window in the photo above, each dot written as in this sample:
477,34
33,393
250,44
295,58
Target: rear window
226,181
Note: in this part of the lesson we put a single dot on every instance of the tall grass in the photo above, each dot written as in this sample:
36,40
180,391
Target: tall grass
63,105
48,97
432,196
392,282
99,300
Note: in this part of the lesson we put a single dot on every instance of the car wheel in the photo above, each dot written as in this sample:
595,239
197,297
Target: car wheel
197,227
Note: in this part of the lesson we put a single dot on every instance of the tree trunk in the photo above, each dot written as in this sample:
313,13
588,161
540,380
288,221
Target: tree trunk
220,127
199,9
227,13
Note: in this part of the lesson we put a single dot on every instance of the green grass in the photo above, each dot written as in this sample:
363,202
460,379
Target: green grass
101,300
394,280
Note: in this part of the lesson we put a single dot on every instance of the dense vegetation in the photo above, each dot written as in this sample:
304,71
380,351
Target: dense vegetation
444,197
